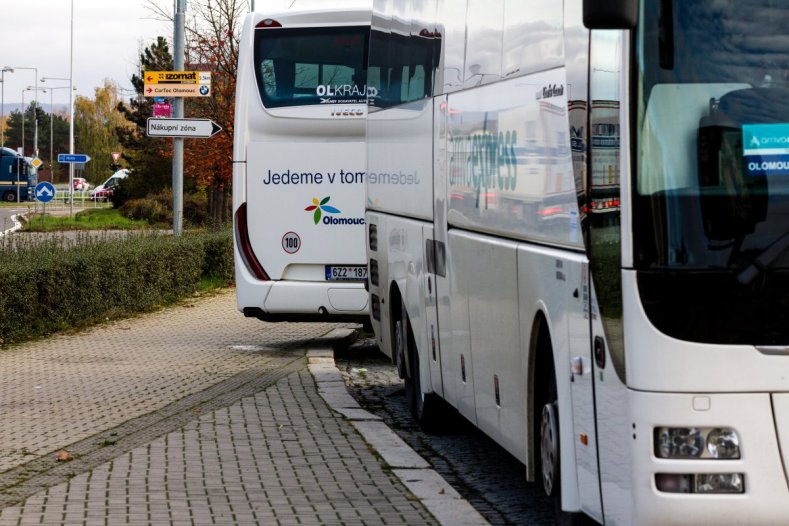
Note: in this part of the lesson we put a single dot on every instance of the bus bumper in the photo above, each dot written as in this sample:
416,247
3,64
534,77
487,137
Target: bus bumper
304,301
657,499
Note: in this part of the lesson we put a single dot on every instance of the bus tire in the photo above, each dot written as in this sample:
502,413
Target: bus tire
9,197
423,406
399,348
549,439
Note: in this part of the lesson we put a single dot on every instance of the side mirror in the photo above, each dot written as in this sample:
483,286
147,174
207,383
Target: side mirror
610,14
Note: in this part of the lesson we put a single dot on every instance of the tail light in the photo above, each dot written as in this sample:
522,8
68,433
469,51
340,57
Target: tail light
245,247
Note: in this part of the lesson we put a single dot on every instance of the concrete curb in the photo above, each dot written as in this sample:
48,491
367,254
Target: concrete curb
17,220
435,493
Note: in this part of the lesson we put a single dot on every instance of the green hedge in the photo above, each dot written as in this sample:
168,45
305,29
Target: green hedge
51,285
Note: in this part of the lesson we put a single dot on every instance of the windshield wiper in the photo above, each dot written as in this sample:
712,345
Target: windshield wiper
764,260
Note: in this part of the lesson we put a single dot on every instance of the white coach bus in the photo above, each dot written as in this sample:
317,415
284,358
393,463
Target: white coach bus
298,162
578,239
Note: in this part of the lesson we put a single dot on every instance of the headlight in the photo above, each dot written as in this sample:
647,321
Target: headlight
679,442
723,442
697,442
700,482
719,483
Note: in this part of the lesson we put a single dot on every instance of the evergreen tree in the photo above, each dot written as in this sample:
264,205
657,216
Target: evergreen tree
149,158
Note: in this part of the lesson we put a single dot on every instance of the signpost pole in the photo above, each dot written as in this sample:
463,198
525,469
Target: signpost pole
178,142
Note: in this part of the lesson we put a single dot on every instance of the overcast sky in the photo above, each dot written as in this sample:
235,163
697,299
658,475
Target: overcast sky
108,35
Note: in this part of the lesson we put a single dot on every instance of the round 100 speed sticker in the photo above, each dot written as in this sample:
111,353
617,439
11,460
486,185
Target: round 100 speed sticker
291,242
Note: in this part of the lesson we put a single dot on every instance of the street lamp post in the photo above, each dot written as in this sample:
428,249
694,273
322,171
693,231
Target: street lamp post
51,125
23,122
2,103
35,114
71,126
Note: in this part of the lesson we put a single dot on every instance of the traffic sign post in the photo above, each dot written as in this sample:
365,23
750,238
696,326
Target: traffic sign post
44,193
76,158
190,128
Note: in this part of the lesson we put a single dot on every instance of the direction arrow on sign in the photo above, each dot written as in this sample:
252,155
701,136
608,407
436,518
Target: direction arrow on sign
44,192
73,158
195,128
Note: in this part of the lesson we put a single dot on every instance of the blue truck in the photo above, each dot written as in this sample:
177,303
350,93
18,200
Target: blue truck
16,176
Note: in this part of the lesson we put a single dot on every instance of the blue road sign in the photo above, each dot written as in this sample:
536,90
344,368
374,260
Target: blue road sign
45,192
73,158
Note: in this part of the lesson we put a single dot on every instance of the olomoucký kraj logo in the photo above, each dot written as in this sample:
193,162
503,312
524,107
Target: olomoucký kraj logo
321,206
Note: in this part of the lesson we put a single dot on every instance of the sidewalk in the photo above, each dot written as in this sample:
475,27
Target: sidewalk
196,415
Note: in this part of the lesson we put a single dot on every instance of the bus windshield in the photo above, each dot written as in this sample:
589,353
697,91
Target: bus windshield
308,66
711,204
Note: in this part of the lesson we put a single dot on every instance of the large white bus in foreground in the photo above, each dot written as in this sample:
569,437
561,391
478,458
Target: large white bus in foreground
298,162
579,239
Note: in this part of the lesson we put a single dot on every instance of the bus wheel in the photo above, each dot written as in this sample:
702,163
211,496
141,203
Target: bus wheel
550,454
423,405
9,197
549,448
399,348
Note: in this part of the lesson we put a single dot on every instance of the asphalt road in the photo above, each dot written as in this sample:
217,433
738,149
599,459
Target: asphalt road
6,212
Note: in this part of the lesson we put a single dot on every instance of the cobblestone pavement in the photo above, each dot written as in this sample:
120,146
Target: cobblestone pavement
60,390
192,415
488,477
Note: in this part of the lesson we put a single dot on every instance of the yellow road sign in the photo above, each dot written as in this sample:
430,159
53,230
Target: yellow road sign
177,77
177,90
36,162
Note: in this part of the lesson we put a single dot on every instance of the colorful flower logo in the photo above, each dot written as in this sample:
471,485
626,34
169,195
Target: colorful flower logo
318,206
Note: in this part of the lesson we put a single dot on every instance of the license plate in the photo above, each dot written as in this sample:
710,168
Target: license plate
346,273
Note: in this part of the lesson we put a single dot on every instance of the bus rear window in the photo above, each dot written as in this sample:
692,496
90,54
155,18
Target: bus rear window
302,67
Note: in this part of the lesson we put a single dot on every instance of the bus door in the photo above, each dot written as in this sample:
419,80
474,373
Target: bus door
582,370
604,248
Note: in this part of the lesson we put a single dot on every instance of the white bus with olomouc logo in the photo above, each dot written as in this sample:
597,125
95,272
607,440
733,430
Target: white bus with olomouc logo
298,163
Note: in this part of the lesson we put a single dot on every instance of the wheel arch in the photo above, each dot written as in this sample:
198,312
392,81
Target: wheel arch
540,357
546,360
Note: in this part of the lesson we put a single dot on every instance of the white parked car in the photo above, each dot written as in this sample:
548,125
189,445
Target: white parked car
105,190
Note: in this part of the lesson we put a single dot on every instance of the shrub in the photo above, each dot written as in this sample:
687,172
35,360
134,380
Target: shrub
57,284
157,209
147,209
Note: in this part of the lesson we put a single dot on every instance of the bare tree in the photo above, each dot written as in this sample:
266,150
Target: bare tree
213,30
